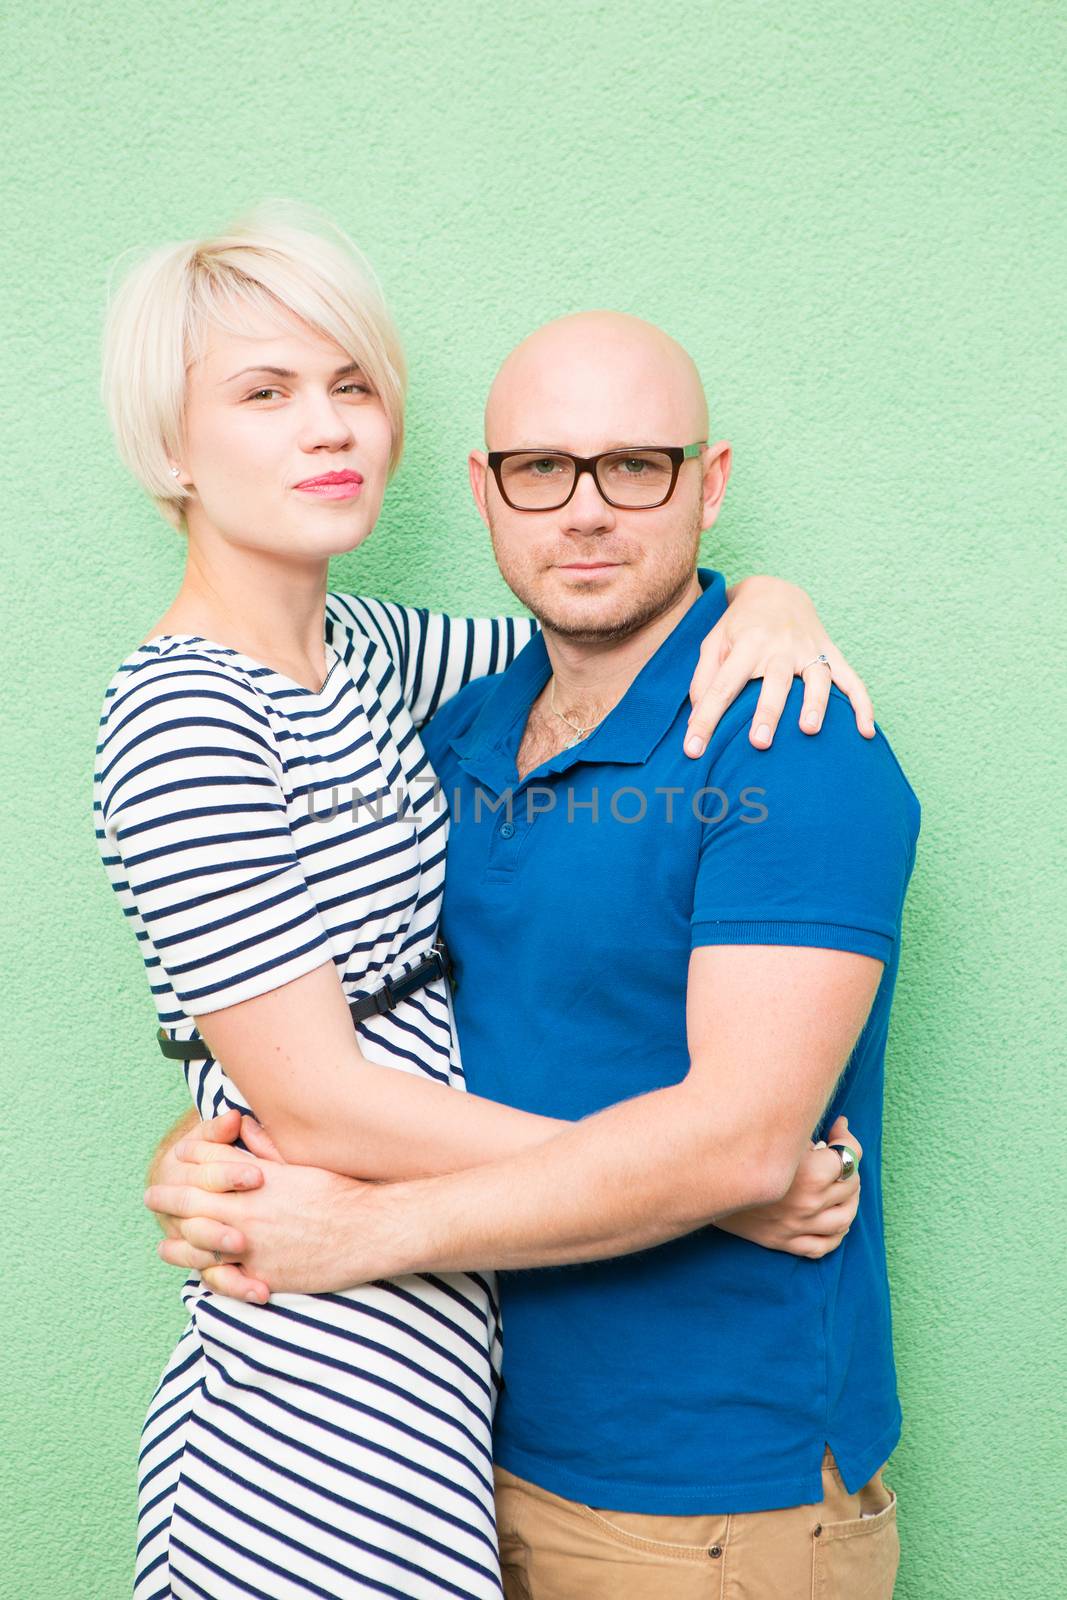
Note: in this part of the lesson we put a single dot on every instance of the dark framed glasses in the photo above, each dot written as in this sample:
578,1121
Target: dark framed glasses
635,479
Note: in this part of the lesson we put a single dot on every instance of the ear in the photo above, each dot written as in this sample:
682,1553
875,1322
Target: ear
478,468
176,473
715,464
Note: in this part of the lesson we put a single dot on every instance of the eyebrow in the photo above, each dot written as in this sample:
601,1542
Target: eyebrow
562,450
286,372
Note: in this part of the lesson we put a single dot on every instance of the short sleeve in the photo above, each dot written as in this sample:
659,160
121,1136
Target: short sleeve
811,842
436,655
195,820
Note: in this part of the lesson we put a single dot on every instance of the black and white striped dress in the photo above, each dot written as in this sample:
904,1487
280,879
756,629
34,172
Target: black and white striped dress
326,1445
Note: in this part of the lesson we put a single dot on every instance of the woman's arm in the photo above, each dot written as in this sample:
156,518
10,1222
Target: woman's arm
195,823
770,630
435,655
295,1057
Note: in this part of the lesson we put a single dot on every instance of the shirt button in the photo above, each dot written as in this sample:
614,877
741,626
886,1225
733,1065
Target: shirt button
506,830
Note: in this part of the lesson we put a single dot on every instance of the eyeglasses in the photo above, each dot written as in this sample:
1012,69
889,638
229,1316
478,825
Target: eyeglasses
635,479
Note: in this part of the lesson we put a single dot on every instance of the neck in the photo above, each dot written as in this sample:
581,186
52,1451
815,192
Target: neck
590,671
268,606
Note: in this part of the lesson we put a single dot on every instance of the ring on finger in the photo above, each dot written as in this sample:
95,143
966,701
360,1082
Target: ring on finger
816,661
849,1160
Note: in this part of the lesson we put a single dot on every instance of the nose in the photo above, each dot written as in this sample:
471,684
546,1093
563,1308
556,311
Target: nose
587,511
324,423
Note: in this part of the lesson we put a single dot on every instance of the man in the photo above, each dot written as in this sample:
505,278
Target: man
693,963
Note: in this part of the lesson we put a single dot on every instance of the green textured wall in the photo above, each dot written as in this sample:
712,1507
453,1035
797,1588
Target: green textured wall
847,212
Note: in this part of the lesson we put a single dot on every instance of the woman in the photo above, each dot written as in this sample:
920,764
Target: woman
332,1444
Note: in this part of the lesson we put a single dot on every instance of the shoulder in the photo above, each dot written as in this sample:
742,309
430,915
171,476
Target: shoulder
167,678
836,762
456,717
179,715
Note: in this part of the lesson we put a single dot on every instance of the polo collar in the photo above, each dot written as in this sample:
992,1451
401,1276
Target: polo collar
630,731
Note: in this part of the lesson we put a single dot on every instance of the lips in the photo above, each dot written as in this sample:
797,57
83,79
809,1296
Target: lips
332,486
330,478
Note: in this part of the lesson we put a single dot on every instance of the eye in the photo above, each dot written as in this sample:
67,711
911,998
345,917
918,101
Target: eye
653,467
358,386
545,467
257,392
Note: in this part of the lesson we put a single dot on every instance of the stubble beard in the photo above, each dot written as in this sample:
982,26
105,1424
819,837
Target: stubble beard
665,592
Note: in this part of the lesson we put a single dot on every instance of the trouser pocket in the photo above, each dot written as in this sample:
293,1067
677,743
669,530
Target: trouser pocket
857,1559
557,1549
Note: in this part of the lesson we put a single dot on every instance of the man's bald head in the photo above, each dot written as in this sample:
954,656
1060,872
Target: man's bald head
592,381
585,385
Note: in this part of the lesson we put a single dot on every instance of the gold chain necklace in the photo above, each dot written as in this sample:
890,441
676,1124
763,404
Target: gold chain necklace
579,733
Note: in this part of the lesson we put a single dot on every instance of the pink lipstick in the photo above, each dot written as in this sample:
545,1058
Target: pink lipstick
333,486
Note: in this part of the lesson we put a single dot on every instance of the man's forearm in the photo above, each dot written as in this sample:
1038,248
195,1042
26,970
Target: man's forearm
632,1176
770,1028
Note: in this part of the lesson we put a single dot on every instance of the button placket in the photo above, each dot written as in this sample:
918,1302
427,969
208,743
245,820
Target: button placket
510,829
507,833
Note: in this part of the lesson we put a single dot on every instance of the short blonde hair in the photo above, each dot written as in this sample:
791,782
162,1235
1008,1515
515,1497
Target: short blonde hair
281,253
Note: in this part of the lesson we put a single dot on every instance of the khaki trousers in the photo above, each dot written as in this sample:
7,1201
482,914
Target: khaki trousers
556,1549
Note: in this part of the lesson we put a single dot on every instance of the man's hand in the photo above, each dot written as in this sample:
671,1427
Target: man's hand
813,1217
273,1223
197,1156
230,1169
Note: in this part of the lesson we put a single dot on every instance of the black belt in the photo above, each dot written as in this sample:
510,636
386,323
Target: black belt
393,990
382,1001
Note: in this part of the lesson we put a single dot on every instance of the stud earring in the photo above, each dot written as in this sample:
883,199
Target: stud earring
175,472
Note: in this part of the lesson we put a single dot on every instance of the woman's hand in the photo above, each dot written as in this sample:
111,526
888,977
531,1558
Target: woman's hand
770,630
813,1218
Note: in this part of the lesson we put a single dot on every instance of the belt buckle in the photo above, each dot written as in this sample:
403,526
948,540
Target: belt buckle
385,1000
444,961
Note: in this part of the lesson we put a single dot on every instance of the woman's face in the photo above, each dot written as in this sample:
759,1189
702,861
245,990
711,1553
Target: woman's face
268,412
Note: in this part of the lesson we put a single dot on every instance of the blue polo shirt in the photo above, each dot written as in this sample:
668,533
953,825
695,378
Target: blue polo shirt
706,1374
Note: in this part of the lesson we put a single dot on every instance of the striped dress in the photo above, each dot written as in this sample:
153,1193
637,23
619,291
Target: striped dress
326,1445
